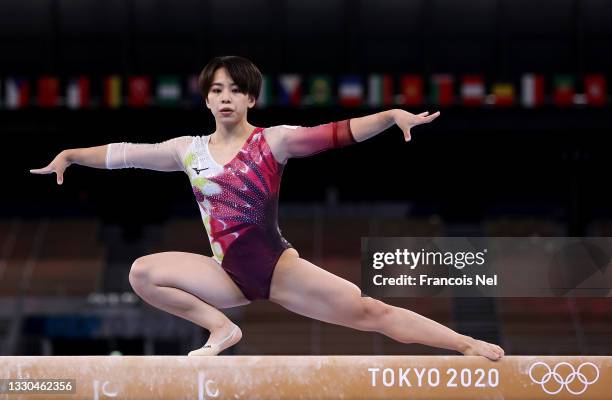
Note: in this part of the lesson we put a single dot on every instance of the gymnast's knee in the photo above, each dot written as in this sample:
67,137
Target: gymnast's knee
140,273
371,313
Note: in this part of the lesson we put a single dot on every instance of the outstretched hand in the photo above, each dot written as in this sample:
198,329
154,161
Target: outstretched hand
406,121
58,165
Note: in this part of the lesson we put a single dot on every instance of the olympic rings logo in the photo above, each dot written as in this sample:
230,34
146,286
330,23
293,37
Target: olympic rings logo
564,382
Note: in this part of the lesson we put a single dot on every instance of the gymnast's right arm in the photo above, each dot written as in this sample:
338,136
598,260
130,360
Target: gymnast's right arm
164,156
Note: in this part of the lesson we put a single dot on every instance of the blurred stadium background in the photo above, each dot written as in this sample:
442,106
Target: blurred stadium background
529,157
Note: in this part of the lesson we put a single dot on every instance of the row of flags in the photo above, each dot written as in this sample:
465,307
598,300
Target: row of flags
375,90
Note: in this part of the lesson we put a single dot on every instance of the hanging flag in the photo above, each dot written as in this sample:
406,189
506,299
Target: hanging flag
289,90
169,91
350,91
195,96
442,90
380,90
564,90
320,90
17,93
595,89
139,91
411,90
78,93
472,90
265,94
112,91
48,91
503,94
532,90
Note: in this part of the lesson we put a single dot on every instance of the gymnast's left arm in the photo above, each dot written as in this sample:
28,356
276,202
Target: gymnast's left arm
371,125
297,141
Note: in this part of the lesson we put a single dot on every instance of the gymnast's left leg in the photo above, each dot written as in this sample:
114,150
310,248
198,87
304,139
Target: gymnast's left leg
306,289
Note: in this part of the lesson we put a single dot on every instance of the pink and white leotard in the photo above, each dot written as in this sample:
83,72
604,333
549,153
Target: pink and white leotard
238,201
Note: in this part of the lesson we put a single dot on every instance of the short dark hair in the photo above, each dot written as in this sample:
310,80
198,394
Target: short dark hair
244,73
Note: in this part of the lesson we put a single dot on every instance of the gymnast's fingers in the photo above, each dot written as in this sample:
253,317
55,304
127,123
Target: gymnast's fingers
45,170
432,116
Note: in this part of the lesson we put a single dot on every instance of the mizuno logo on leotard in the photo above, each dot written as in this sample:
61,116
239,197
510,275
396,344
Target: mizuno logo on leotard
198,170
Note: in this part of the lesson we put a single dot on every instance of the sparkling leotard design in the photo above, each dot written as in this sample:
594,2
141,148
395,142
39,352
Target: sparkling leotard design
239,206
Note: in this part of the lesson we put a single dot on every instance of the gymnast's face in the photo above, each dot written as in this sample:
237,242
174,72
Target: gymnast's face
225,101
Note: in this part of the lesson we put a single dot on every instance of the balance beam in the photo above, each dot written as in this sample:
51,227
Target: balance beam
313,377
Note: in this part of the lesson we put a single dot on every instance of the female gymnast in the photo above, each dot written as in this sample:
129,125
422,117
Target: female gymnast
235,174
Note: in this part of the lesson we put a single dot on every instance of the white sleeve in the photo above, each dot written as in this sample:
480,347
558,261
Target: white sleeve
164,156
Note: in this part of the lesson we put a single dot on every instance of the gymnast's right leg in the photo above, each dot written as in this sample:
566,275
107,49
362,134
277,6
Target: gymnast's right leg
193,287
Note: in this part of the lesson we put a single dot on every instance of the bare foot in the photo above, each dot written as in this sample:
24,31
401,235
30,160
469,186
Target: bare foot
480,348
219,341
